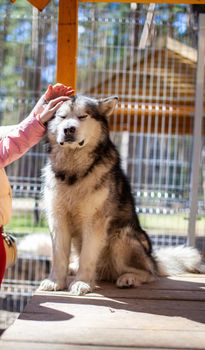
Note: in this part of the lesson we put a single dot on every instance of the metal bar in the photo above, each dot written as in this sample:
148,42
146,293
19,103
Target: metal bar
197,136
67,42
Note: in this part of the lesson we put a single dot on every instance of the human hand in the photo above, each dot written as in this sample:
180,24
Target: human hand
52,92
51,108
57,90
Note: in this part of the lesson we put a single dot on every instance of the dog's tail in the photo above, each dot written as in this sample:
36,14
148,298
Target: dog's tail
177,260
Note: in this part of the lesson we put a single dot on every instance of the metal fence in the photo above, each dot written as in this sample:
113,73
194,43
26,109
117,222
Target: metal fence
152,127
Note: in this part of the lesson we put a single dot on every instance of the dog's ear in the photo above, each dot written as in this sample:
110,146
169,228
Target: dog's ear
107,105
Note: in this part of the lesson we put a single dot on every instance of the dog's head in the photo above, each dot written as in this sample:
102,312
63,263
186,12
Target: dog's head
80,121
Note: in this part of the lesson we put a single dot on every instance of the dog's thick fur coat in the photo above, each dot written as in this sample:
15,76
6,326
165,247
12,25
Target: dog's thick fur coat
89,205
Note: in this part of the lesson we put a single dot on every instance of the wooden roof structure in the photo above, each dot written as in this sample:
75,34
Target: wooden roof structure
168,93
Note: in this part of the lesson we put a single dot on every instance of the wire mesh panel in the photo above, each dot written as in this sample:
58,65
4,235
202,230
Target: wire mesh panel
28,59
155,85
28,64
20,282
152,126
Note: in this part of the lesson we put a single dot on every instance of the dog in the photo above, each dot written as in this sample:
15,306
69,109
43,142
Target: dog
90,206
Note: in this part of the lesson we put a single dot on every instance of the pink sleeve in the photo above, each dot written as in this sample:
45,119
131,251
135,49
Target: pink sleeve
26,134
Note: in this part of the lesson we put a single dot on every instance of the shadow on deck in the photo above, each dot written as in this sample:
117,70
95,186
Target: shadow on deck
167,314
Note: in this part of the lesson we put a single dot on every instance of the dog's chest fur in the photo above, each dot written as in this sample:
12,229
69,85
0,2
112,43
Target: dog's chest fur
78,185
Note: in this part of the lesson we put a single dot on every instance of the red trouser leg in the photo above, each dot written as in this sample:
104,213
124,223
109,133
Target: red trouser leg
2,258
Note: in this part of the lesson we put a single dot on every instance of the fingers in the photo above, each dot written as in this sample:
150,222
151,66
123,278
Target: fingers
57,90
50,88
69,91
50,109
55,103
57,100
62,89
49,92
55,108
59,86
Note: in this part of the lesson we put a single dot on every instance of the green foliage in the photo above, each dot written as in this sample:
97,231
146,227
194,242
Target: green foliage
25,223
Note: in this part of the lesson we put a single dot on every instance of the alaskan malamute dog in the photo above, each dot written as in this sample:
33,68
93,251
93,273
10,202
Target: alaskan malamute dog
89,205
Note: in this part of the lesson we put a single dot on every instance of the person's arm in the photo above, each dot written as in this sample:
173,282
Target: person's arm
51,93
5,130
27,133
19,140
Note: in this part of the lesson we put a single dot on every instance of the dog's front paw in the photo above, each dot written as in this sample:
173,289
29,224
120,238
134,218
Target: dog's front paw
50,285
79,288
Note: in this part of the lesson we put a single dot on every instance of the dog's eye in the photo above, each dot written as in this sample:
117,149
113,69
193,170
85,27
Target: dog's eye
62,116
81,117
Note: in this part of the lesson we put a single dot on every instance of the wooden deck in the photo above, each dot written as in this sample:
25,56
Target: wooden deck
167,314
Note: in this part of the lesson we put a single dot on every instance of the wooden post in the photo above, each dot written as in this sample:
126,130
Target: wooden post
67,42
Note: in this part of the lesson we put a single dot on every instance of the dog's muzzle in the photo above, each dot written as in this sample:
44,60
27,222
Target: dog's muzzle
70,136
70,131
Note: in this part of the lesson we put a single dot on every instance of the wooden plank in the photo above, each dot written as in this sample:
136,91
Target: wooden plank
183,291
110,322
183,50
113,317
7,345
184,287
115,299
132,121
183,283
67,42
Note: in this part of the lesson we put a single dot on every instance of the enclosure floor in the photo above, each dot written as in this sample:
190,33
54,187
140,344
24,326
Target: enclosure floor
167,314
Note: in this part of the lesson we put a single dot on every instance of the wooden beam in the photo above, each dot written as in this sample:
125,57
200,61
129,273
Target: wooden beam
199,2
147,27
39,4
183,50
67,42
178,120
160,123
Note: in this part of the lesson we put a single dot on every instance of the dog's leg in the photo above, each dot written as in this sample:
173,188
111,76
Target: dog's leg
92,245
132,263
61,243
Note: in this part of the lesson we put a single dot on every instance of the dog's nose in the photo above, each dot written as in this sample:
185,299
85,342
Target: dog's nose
70,130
